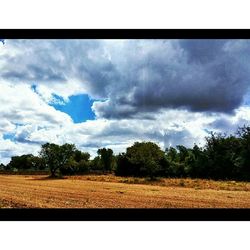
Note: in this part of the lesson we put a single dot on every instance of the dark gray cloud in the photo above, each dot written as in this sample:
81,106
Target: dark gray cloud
172,138
199,75
46,62
27,141
34,74
203,51
138,77
222,124
225,125
23,137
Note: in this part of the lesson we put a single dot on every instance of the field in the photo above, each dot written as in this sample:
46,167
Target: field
107,191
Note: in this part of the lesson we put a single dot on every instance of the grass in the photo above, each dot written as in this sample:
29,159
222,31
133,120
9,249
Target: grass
171,182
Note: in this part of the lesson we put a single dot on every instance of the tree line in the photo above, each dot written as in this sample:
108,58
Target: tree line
222,157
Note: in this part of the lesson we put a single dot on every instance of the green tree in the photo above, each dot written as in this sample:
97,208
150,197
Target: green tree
79,163
106,157
56,157
81,156
171,154
23,162
142,159
124,167
221,152
96,164
243,157
2,166
197,162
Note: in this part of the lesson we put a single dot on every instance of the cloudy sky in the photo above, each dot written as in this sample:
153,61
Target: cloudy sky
111,93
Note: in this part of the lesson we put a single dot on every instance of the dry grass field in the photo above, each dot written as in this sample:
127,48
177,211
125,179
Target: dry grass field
91,191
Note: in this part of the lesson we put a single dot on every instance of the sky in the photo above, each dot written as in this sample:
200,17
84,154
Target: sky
111,93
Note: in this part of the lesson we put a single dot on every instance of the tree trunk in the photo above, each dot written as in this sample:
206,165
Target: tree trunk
53,172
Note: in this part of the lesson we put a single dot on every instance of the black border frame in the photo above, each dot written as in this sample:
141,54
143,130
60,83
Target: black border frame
14,214
125,33
124,214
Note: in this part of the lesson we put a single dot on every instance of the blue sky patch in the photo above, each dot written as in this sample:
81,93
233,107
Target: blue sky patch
33,87
9,136
78,108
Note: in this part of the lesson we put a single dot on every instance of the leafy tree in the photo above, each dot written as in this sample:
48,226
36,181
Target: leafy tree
197,162
124,167
25,162
56,157
142,159
221,153
37,163
106,158
83,167
77,164
176,168
81,156
243,160
22,162
171,154
2,166
82,160
183,152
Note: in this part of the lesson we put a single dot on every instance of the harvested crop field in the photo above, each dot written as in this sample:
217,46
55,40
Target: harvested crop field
27,191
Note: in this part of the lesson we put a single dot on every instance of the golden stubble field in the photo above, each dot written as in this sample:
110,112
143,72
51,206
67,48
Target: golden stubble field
27,191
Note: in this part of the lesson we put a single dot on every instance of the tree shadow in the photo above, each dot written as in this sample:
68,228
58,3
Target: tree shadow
48,178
